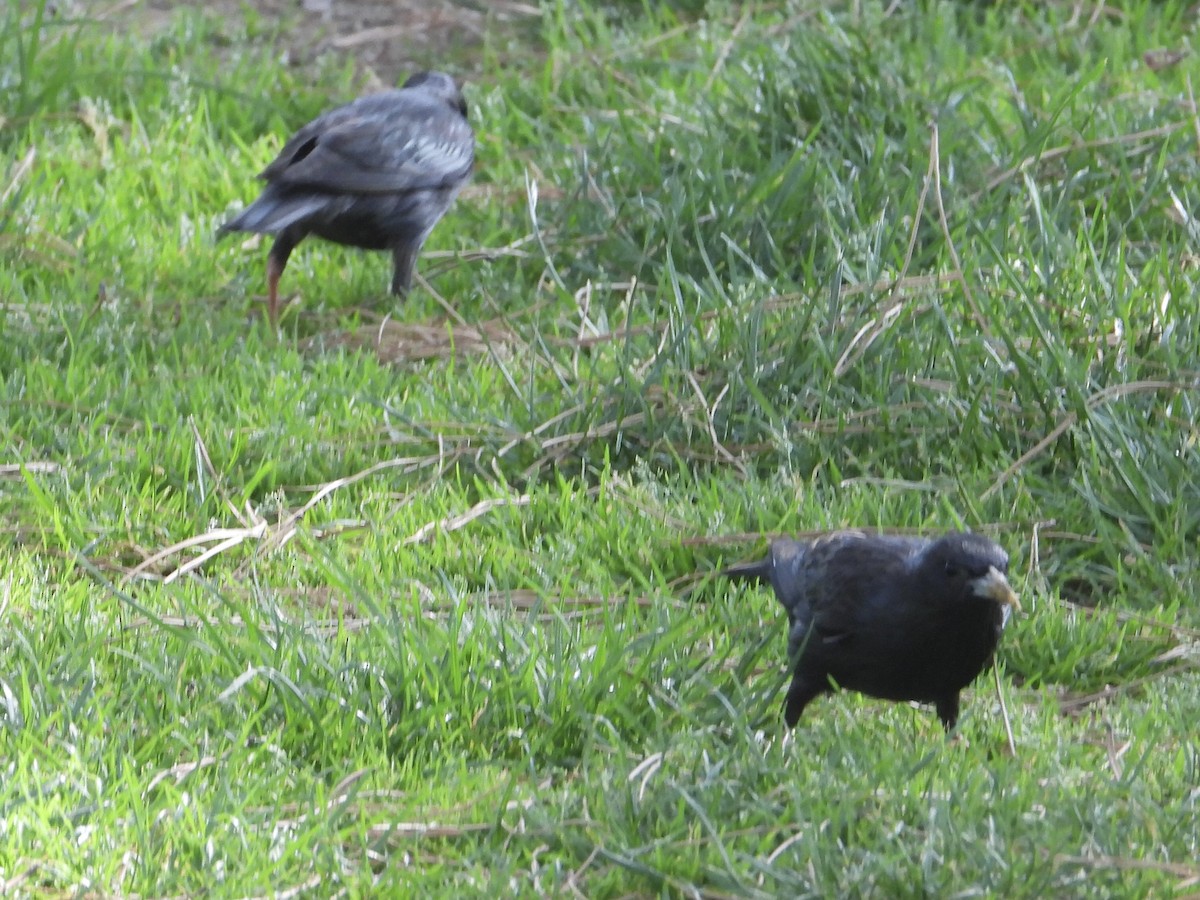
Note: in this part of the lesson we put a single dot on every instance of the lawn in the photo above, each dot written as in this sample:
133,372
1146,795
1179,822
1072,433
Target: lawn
392,601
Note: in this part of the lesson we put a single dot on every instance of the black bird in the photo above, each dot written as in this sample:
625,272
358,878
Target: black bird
377,173
892,617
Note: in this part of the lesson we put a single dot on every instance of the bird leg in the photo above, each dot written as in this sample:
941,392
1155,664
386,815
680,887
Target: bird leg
285,243
947,710
800,693
274,270
404,257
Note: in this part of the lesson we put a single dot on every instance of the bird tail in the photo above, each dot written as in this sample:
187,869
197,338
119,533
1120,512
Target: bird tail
781,570
757,571
271,214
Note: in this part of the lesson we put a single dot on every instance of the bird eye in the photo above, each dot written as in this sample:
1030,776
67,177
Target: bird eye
952,570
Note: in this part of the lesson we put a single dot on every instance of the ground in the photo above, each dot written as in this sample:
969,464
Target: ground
386,41
282,614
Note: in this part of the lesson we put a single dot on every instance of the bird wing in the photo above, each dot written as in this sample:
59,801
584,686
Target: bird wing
831,583
386,143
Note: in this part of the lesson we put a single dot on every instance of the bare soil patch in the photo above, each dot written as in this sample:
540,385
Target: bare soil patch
385,39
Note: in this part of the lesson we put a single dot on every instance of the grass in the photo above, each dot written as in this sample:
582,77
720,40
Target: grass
394,605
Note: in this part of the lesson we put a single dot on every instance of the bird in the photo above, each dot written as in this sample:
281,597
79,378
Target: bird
377,173
896,618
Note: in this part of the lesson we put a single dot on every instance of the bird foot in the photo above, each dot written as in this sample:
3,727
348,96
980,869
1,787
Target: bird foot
278,306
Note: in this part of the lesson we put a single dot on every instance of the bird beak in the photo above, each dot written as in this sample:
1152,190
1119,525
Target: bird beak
995,586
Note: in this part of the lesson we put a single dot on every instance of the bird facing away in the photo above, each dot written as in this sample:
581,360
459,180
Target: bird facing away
377,173
892,617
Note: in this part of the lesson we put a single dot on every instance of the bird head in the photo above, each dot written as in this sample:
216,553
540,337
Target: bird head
438,85
976,565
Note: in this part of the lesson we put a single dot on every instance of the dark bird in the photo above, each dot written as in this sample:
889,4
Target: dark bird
377,173
892,617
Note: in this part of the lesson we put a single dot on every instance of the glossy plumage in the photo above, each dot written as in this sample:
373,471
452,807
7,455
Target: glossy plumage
891,617
377,173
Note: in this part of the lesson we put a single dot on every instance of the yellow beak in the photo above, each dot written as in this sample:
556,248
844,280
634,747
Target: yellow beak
996,587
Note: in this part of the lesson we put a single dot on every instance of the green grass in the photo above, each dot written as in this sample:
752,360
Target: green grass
284,613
